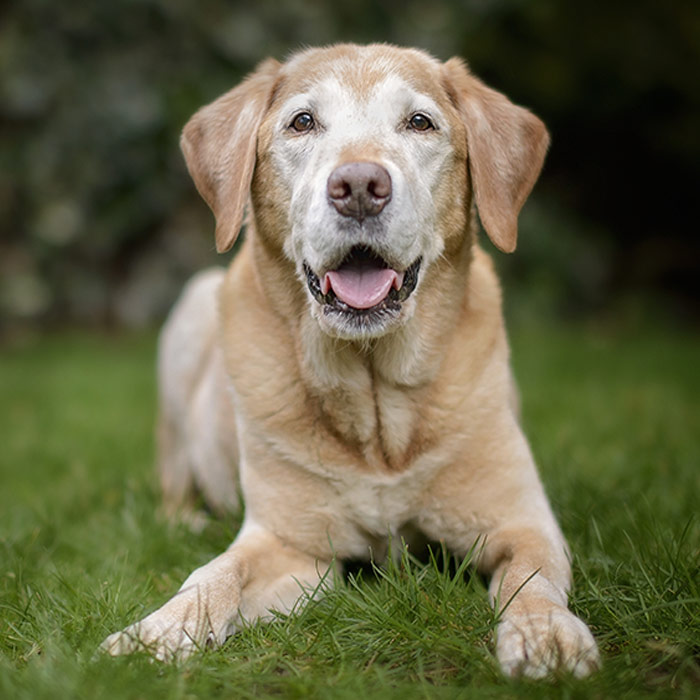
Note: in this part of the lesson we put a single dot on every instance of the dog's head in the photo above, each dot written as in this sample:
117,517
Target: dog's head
361,162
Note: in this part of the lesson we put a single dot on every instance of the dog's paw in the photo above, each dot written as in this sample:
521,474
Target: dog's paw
162,643
173,632
537,641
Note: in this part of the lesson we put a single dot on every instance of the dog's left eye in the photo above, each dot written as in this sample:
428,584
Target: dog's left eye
302,122
420,122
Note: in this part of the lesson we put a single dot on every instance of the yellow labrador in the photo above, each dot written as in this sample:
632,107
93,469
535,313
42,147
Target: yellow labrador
350,370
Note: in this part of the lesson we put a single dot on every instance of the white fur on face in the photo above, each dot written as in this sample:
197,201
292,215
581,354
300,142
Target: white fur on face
353,127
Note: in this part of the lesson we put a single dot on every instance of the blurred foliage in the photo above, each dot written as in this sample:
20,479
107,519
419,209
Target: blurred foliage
98,219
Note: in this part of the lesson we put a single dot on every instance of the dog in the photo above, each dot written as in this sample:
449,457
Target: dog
350,371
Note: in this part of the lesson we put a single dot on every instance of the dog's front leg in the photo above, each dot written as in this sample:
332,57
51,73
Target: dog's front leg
536,633
496,500
257,574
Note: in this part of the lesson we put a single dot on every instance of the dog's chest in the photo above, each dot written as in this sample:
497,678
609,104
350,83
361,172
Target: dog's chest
381,504
383,425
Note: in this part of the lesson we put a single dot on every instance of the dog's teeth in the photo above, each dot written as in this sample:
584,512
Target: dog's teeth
398,281
325,284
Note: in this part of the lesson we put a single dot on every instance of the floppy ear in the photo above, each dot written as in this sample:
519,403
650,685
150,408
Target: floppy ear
219,144
506,146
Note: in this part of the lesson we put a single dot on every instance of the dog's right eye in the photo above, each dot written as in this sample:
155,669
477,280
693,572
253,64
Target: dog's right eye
302,122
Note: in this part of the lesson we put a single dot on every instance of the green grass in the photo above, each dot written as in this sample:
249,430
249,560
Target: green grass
614,422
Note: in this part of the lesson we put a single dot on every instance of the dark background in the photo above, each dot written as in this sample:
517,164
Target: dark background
100,224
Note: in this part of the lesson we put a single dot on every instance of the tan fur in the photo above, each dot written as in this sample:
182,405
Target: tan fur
342,442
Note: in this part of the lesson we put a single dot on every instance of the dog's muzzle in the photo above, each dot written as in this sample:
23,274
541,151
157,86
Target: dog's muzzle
364,293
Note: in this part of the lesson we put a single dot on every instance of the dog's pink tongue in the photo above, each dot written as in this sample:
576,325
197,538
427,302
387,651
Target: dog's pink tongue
362,287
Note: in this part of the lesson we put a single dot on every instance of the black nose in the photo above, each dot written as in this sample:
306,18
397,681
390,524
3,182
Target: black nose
359,189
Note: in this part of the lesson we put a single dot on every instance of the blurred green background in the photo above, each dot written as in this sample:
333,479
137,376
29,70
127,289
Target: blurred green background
100,224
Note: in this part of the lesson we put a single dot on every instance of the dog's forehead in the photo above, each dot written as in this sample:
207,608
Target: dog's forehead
362,73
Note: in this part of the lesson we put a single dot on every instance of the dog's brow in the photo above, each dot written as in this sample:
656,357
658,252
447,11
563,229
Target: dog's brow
295,103
392,91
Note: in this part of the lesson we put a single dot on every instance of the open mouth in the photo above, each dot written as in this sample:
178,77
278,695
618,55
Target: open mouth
364,284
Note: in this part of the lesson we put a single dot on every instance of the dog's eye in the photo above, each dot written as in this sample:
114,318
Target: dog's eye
302,122
419,122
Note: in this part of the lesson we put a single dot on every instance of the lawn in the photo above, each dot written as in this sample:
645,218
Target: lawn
614,421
